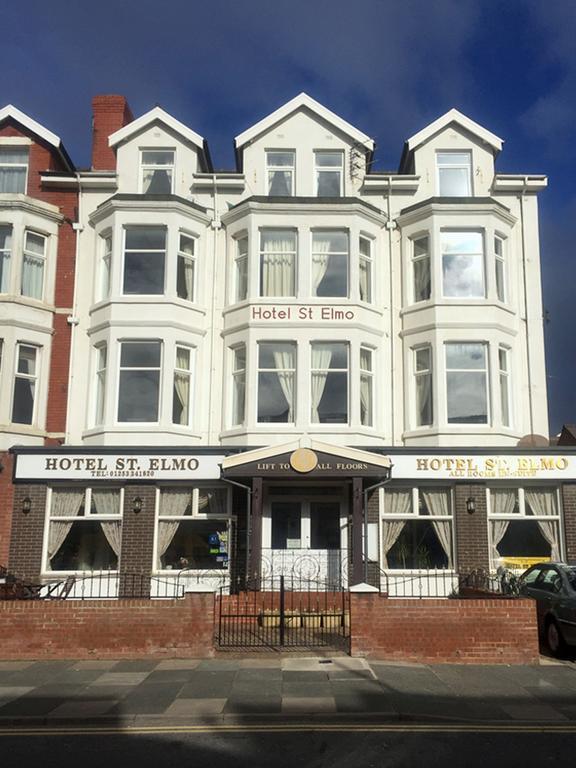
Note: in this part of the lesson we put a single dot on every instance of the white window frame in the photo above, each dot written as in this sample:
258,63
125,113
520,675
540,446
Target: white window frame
35,378
292,253
504,384
521,514
461,166
238,375
482,254
293,371
271,168
328,371
46,570
182,255
101,375
427,372
42,258
318,168
485,370
119,370
240,263
367,375
104,277
6,259
346,253
366,258
189,373
153,166
416,259
4,150
126,229
500,260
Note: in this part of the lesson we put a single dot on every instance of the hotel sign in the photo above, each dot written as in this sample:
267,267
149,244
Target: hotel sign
315,313
77,466
486,467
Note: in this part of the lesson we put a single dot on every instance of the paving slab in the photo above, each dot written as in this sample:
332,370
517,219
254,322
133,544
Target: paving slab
305,664
302,689
148,698
195,707
271,663
134,665
293,705
304,676
9,693
13,666
263,674
121,678
208,685
253,705
81,709
94,664
217,665
533,711
169,675
178,664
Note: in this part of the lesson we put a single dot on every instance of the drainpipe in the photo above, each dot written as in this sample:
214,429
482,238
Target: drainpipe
525,287
72,319
381,484
389,227
216,226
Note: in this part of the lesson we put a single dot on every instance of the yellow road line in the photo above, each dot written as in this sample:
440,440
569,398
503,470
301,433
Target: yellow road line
136,730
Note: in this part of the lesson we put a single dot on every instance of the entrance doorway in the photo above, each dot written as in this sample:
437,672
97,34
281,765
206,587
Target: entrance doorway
305,534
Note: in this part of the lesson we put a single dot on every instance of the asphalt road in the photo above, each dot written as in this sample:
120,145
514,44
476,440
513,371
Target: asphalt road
338,747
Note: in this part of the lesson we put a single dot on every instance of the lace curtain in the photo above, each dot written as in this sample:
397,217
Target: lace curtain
285,363
278,264
321,358
438,504
174,503
543,504
107,502
182,384
503,503
65,503
395,503
320,259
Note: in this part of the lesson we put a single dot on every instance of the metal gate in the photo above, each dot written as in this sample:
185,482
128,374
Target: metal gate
283,613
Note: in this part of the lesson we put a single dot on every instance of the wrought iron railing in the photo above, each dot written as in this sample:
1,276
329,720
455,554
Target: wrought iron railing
445,583
329,566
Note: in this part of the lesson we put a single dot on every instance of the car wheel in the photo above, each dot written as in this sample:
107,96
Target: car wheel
554,639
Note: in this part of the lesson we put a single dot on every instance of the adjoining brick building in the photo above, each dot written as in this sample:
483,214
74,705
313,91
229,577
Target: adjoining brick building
299,366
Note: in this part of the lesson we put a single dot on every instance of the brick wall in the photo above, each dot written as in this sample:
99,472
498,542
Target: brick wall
110,113
471,531
137,530
25,559
439,631
569,510
6,502
108,629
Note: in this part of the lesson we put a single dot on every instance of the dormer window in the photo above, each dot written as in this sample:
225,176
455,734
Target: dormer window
280,173
329,174
157,167
454,174
13,170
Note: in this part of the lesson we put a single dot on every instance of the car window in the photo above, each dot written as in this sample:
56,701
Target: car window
551,581
571,575
530,577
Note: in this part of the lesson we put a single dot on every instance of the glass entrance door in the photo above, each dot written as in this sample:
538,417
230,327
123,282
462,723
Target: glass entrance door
304,537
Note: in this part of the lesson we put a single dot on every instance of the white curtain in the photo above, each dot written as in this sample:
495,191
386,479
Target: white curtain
320,259
284,363
64,504
13,179
438,504
366,400
321,357
503,503
365,276
188,271
32,276
395,503
107,503
278,265
424,397
173,503
182,384
212,500
422,279
543,504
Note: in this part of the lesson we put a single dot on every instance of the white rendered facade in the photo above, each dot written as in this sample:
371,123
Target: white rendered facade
348,277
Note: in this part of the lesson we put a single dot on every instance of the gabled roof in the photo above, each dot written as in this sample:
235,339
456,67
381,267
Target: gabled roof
303,101
454,116
156,115
12,112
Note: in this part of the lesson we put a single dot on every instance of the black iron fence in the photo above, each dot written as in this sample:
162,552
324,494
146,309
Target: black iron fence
443,583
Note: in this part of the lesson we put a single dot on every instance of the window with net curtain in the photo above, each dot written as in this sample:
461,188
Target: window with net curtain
421,269
366,387
329,166
276,382
13,170
182,391
157,171
5,257
280,171
25,382
193,529
33,265
238,384
466,383
186,267
277,262
329,383
330,263
424,402
417,528
524,525
85,529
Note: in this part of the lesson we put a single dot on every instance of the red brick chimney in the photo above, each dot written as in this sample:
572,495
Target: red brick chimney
109,113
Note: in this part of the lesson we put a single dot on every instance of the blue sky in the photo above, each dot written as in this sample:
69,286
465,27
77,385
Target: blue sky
387,66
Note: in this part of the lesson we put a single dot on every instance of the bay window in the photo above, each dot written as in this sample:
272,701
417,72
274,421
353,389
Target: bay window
504,382
5,256
524,525
330,264
84,529
186,267
365,269
466,383
105,265
139,381
182,389
366,387
277,262
13,170
454,174
193,529
417,528
329,383
33,265
144,260
25,382
241,269
421,281
423,386
500,268
238,385
329,173
101,367
276,381
280,173
462,264
157,169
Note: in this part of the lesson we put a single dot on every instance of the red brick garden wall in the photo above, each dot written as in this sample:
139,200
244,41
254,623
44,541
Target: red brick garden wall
437,631
115,629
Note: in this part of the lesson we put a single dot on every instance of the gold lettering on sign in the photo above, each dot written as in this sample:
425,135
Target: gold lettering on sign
493,466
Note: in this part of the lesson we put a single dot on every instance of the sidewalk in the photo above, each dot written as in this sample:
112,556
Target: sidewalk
291,688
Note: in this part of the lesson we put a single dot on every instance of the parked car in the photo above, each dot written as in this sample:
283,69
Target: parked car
553,586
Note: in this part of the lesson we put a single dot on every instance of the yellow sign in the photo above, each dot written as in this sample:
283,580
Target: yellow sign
522,563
